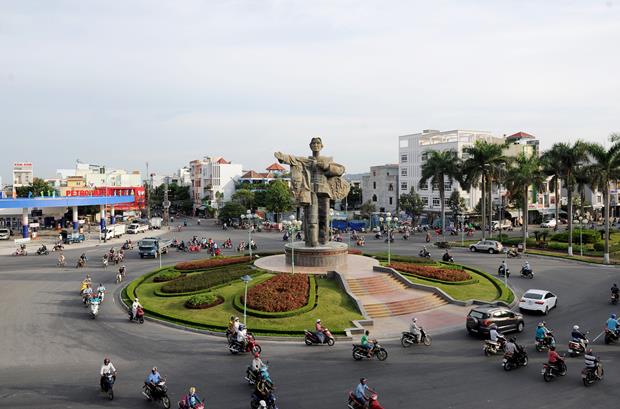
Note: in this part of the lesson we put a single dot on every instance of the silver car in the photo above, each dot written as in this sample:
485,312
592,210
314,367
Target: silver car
489,246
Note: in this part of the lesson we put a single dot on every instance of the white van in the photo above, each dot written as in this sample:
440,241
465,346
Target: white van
135,228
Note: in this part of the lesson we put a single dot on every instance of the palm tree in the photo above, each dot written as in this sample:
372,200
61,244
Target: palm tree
524,171
551,162
483,159
440,167
582,180
603,168
571,158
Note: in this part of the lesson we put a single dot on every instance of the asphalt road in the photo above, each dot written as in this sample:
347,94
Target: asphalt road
51,351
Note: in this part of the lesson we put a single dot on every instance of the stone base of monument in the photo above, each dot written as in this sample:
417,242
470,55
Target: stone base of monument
332,254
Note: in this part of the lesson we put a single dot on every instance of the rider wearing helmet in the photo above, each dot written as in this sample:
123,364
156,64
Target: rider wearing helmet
511,347
615,290
107,368
592,362
542,333
152,380
578,336
320,331
262,404
553,357
494,335
191,400
257,363
612,323
415,329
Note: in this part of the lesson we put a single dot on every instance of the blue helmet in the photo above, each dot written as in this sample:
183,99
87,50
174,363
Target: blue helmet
613,316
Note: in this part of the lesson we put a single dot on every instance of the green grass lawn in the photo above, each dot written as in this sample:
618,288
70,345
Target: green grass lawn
483,290
335,308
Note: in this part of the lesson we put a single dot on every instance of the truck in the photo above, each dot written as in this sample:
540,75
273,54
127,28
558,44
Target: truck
152,246
156,222
112,231
135,228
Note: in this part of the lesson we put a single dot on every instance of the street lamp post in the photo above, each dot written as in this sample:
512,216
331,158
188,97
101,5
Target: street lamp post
246,279
292,226
462,220
580,235
389,222
250,218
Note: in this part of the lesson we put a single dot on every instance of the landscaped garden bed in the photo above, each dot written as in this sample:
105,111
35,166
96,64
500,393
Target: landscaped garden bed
284,292
438,272
203,301
205,279
210,263
167,275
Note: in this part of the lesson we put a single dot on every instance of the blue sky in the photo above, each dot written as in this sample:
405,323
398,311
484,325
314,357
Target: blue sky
121,83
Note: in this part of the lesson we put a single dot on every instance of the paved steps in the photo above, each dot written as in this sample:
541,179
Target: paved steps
379,284
403,307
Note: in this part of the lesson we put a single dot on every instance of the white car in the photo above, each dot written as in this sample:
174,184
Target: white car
538,300
488,246
549,224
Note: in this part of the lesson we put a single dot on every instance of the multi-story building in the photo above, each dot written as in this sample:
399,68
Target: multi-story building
22,174
380,187
212,181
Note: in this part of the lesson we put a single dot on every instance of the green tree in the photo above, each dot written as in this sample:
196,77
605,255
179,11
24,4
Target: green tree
354,198
411,203
231,210
456,204
440,167
244,197
523,172
278,198
367,208
604,167
551,162
37,187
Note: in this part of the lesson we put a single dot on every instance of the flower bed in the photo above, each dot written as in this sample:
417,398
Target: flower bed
356,252
210,263
166,276
202,301
206,279
284,292
433,272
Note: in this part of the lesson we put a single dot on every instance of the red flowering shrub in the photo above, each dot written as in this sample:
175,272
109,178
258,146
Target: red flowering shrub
356,252
210,262
434,272
284,292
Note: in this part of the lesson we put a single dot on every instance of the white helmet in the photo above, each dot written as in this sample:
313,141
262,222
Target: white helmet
262,404
414,319
576,327
318,320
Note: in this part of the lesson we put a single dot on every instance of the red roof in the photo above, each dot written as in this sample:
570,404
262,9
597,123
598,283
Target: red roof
276,167
256,175
222,161
521,135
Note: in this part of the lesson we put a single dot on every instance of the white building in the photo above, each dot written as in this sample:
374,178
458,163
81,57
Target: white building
412,154
212,181
100,176
22,174
380,187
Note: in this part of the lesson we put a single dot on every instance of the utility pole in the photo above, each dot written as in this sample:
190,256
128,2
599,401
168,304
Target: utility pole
166,203
149,180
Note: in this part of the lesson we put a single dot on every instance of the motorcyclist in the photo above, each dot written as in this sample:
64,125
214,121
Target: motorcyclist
43,248
510,348
106,369
256,364
424,252
526,268
542,333
503,268
122,270
415,329
242,335
101,291
615,291
152,380
320,331
612,323
446,256
495,336
366,343
87,292
592,362
61,260
361,392
191,400
134,307
578,336
553,358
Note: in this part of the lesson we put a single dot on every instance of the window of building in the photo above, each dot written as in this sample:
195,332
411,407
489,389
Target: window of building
424,155
403,158
436,202
374,185
435,187
391,199
403,185
374,173
390,187
447,185
446,200
424,186
424,201
403,171
374,198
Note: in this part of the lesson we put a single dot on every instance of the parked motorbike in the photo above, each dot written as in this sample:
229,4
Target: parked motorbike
424,254
611,336
591,375
159,393
493,348
236,347
408,339
544,344
42,251
552,371
527,273
519,358
108,384
576,348
377,350
139,316
311,338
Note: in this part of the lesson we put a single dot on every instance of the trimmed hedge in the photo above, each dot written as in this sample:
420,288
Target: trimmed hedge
204,264
204,300
206,279
313,297
600,246
433,272
588,236
515,241
404,259
166,276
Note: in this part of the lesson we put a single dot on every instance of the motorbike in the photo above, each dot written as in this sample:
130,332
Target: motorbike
493,348
614,298
550,371
21,251
527,273
447,258
377,350
408,339
352,403
512,254
390,239
270,400
611,336
42,251
94,307
159,393
503,271
104,261
591,375
424,254
108,383
311,338
183,405
360,243
262,380
405,237
236,347
544,344
80,263
377,236
139,315
519,358
127,246
576,348
58,247
61,263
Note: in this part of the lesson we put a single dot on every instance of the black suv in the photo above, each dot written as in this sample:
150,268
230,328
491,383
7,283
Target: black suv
480,319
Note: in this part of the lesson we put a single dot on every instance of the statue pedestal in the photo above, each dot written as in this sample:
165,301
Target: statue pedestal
332,254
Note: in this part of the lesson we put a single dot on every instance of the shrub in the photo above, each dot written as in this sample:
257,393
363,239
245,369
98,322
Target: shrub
204,300
210,263
166,276
405,259
515,241
600,246
557,246
206,279
436,273
588,236
283,292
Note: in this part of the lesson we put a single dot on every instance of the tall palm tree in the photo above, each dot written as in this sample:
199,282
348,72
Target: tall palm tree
524,171
441,167
582,181
483,159
571,158
551,162
603,168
